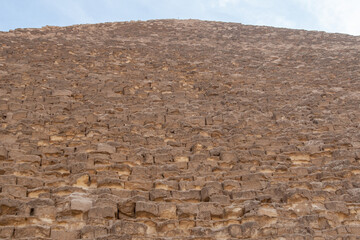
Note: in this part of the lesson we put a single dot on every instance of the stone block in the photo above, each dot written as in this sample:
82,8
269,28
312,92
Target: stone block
167,210
228,156
142,186
219,198
181,159
207,192
92,232
163,158
46,213
32,232
337,207
233,211
30,182
230,185
10,207
214,208
131,228
166,228
63,92
187,210
252,185
188,196
159,194
64,235
6,232
7,179
3,153
14,191
146,209
127,207
166,185
102,212
81,204
235,231
267,211
104,147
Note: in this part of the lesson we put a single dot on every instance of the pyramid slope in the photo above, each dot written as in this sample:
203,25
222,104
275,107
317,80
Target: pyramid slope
178,129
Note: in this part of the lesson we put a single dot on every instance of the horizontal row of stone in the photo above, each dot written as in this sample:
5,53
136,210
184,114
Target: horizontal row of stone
138,230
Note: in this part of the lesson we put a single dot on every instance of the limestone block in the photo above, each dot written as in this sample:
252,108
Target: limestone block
219,198
187,210
64,92
32,232
249,229
111,183
131,228
167,210
3,153
202,232
251,205
19,115
91,232
32,159
143,186
235,231
159,194
166,185
45,213
104,147
198,157
181,159
353,229
267,211
9,207
163,158
230,185
121,169
204,215
189,196
15,191
127,207
29,182
146,209
102,212
7,179
228,156
81,180
208,191
252,185
337,207
65,235
6,232
81,204
215,209
165,227
234,211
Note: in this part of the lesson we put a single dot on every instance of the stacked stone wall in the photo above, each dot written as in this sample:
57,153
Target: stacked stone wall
179,129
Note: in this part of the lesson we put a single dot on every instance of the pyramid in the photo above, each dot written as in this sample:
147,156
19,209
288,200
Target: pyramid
179,129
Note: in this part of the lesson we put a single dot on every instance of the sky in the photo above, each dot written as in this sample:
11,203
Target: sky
341,16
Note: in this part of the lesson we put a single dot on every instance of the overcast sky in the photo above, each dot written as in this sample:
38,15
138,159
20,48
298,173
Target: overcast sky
342,16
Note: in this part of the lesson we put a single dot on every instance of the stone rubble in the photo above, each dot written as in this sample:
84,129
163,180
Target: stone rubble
179,129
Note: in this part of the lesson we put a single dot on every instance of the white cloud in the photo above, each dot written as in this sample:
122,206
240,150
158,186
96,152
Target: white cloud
335,15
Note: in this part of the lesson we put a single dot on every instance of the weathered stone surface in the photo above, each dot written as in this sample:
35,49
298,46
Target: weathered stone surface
146,209
63,234
80,203
32,232
178,129
132,228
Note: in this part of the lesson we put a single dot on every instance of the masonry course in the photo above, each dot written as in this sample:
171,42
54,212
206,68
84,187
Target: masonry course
179,129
